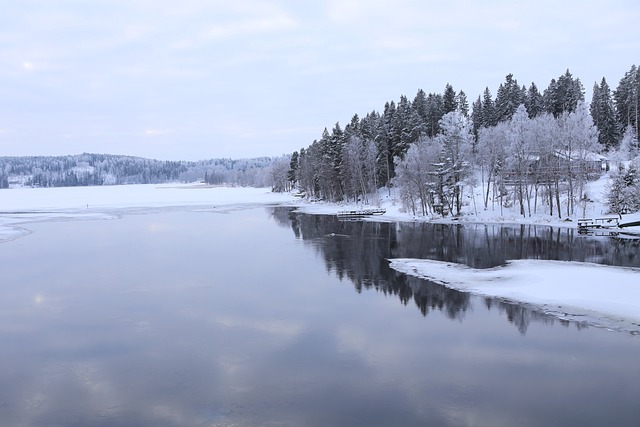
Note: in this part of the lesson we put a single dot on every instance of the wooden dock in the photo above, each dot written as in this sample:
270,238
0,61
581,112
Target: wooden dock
361,213
598,223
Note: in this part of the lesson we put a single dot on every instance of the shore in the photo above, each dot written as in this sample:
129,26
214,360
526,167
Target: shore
593,300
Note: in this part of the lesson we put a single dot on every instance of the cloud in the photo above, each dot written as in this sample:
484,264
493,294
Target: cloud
156,132
241,28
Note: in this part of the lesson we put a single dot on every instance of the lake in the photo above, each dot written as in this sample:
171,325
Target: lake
265,317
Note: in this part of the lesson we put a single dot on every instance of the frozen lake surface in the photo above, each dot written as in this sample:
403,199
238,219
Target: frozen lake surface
262,317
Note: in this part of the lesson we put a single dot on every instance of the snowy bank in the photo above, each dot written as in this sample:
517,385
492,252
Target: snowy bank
473,210
599,295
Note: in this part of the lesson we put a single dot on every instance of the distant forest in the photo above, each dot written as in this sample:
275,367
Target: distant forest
105,169
528,148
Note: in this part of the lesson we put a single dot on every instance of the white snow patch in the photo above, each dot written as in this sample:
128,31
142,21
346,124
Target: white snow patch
597,294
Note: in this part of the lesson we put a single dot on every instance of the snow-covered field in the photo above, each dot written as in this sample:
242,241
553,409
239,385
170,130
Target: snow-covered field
19,206
609,296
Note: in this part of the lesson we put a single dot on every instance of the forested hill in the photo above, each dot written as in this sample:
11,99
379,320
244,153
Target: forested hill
105,169
531,143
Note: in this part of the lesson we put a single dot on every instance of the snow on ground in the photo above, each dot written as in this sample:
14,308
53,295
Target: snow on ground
126,196
597,294
19,206
473,209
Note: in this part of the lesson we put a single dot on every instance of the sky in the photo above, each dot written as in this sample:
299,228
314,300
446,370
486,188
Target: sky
202,79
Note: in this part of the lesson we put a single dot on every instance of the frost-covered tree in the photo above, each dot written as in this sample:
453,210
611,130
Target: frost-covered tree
418,178
491,154
624,193
456,140
279,175
579,142
360,173
628,149
519,156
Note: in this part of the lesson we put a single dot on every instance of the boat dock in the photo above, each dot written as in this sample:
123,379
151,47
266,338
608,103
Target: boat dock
361,213
591,223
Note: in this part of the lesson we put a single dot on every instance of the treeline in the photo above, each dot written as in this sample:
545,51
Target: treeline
105,169
530,148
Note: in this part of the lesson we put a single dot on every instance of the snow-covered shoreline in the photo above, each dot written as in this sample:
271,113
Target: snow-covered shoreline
596,294
608,296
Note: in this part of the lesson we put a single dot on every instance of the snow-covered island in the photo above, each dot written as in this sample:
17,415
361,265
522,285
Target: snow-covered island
600,295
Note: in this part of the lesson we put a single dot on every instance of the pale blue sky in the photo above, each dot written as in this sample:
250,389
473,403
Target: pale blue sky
198,79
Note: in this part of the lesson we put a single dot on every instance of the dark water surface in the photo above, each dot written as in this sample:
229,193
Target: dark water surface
267,318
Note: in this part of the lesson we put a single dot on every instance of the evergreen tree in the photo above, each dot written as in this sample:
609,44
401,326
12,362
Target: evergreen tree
420,104
533,101
508,99
563,95
603,115
476,119
449,102
435,111
463,103
627,99
294,167
488,109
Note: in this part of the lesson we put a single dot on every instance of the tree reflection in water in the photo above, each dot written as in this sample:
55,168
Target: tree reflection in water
359,250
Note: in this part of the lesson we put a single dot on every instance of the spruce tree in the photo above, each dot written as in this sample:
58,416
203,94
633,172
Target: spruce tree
488,109
463,103
449,102
476,119
563,95
533,101
603,114
627,99
509,97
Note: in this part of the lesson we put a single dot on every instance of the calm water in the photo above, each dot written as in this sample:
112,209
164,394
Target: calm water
267,318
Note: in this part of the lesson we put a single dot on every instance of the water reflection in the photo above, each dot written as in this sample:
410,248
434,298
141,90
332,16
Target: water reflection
358,250
195,319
